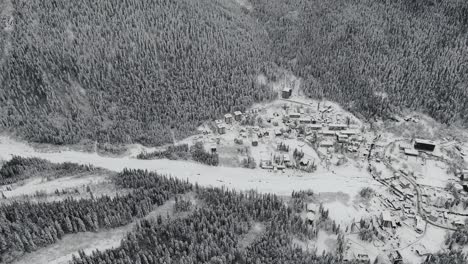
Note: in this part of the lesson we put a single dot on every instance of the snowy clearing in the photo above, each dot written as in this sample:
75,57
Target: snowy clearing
63,251
347,179
41,185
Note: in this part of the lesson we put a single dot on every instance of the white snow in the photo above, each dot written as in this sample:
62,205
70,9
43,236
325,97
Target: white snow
434,174
347,179
40,185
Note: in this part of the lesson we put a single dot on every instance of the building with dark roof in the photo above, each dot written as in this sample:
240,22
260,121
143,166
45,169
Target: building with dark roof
286,93
423,144
395,257
337,127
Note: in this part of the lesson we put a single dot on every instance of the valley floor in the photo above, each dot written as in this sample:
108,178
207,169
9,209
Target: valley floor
336,186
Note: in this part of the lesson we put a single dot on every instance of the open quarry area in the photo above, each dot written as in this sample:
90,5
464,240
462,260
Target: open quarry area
397,196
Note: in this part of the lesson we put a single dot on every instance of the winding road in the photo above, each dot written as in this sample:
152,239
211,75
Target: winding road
416,187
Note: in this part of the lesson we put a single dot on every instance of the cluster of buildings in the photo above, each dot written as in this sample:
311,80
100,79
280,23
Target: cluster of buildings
228,119
379,226
329,132
419,145
463,175
275,162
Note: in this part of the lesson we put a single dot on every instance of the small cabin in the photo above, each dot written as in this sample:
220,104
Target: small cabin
464,175
311,207
458,223
278,132
349,132
404,146
305,120
404,183
255,141
213,148
420,225
286,93
280,167
328,133
315,127
386,219
326,144
310,218
337,127
221,129
342,138
304,162
228,118
432,216
294,115
362,258
395,257
237,115
411,152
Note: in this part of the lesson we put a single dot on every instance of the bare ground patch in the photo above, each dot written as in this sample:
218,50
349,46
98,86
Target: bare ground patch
255,231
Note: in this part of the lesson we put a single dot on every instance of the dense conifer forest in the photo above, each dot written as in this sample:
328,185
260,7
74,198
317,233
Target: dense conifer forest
212,232
127,71
376,57
196,152
28,226
212,235
145,71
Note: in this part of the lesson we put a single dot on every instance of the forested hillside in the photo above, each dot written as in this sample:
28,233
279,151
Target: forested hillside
127,71
376,56
213,231
212,235
29,226
19,168
133,70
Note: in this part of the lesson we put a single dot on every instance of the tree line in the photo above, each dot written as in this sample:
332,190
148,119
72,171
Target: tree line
143,71
19,168
128,71
28,226
211,233
195,152
375,57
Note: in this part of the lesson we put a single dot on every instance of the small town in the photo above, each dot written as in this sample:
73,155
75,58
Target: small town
422,183
375,192
234,132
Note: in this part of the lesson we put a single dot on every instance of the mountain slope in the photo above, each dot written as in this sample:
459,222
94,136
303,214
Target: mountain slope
136,71
376,57
127,71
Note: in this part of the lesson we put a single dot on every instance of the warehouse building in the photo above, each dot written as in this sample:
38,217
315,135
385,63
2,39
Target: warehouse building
423,144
